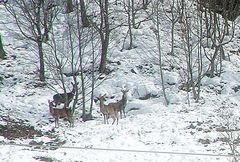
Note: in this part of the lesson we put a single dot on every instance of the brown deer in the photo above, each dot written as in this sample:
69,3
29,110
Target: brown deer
60,113
65,98
121,104
108,110
103,109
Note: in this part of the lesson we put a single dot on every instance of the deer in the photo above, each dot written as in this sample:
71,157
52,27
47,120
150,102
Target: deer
60,113
103,109
65,98
108,110
121,104
124,103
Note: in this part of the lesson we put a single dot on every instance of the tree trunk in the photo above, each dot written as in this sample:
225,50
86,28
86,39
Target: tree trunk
41,61
84,17
69,6
104,36
130,26
2,52
45,27
160,52
103,62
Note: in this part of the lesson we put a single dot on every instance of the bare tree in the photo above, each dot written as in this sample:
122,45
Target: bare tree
188,46
229,128
173,10
157,22
132,8
128,9
200,52
218,31
34,19
191,25
104,25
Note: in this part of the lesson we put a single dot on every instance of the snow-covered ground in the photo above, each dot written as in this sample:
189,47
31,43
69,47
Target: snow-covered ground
150,125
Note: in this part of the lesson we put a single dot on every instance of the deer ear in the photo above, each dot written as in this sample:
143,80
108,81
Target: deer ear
124,91
96,99
74,84
100,96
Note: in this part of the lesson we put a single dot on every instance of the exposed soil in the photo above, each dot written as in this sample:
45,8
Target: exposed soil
17,129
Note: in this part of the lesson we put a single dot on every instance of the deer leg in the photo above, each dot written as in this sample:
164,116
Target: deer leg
124,113
72,121
114,119
121,113
116,114
104,119
107,116
56,122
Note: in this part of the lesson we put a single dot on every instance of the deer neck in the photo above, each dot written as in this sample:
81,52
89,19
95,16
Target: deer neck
101,104
73,90
51,107
124,98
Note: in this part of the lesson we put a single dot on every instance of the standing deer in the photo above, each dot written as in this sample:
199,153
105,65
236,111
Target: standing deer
103,109
60,113
108,110
64,98
124,103
121,104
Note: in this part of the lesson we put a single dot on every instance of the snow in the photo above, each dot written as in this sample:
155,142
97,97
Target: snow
150,125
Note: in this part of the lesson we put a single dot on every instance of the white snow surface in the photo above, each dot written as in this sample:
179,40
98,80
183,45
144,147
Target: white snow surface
150,125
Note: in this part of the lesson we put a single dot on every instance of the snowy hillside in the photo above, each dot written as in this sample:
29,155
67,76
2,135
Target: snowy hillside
183,131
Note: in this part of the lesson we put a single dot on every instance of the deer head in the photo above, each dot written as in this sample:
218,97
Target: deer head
65,98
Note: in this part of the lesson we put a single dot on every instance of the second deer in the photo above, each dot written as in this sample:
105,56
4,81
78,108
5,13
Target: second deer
60,113
108,110
121,104
65,98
